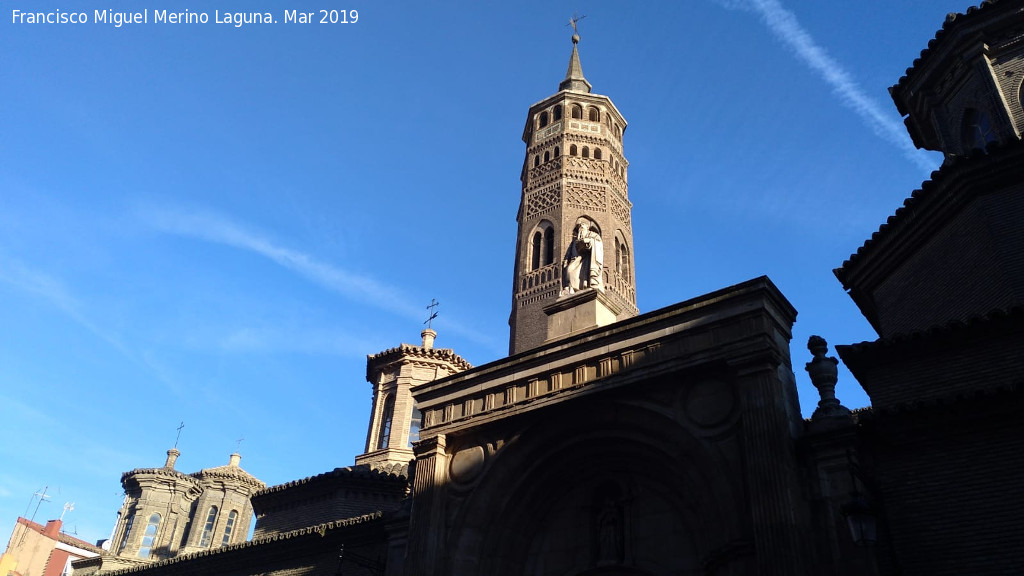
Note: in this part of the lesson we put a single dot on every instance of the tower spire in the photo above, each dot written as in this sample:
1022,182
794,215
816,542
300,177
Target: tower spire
574,80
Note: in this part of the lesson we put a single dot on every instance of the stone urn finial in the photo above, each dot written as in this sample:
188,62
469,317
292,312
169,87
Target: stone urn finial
824,374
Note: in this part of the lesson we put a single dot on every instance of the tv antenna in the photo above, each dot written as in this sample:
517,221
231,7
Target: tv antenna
42,496
68,507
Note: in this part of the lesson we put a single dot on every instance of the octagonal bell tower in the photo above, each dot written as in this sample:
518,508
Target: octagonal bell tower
575,173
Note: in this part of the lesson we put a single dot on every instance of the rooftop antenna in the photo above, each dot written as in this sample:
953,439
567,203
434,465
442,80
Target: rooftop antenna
68,506
433,314
42,496
178,437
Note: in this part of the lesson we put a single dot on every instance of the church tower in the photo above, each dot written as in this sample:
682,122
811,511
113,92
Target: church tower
575,232
394,417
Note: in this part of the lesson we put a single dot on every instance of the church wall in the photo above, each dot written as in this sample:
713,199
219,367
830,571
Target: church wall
960,271
949,479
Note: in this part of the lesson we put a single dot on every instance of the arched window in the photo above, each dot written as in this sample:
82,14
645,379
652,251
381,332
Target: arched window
621,257
556,152
149,536
542,245
597,153
618,132
577,111
211,521
127,531
543,119
586,152
229,527
538,239
536,161
977,130
595,116
558,113
386,416
547,155
414,425
572,150
549,245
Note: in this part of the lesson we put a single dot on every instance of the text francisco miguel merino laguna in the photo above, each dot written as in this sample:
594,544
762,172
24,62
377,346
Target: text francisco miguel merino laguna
146,16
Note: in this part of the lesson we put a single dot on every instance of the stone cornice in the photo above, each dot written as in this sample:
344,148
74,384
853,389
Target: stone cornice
166,473
445,356
746,319
231,474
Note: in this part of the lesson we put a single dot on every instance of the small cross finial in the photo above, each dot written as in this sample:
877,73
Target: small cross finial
178,437
433,314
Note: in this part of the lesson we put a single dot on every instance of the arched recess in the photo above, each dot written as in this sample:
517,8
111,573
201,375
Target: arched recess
558,112
593,114
679,500
543,119
542,245
623,262
577,111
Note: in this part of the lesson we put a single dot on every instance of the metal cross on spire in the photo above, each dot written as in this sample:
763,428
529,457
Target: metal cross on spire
178,437
574,22
433,314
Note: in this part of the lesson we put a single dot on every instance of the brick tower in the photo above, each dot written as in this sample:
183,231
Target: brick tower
574,174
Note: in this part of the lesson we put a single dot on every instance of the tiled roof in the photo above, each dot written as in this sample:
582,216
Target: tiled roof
61,537
992,156
162,471
230,472
320,529
1015,314
391,472
443,354
953,21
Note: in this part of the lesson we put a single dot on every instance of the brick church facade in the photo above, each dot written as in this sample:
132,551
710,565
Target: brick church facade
671,442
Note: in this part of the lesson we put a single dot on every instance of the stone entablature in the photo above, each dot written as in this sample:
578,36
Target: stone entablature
664,340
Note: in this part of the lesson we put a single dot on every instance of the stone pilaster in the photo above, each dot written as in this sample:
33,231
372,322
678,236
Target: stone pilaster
426,532
771,470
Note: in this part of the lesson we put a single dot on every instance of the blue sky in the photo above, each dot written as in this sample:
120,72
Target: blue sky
215,225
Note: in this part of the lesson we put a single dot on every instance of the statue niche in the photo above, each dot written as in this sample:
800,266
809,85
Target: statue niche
583,265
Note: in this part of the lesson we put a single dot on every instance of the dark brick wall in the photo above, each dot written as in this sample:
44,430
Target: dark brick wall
973,265
950,482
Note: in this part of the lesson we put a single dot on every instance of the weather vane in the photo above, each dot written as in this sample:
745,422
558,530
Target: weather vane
574,21
178,437
238,444
433,314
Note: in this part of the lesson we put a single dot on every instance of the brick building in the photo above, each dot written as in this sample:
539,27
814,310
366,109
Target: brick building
167,513
671,442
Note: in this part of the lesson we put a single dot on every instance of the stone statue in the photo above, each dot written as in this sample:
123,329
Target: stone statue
584,260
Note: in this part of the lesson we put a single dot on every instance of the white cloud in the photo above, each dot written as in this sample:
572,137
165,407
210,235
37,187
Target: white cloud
220,230
784,25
